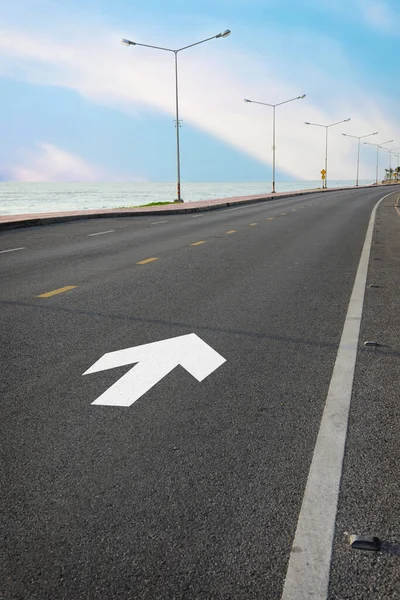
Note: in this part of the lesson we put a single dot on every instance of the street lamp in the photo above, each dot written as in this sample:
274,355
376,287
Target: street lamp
326,145
224,34
378,146
359,138
273,130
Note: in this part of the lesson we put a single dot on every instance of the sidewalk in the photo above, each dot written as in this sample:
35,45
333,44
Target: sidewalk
29,220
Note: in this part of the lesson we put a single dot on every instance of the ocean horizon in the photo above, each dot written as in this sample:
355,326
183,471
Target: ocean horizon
28,198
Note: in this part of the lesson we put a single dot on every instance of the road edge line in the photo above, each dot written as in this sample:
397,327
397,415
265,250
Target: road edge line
308,570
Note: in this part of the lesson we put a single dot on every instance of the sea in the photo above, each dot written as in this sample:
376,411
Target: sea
26,198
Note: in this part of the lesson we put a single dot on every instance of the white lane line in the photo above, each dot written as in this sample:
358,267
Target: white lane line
309,564
197,216
239,207
101,232
158,222
11,250
255,205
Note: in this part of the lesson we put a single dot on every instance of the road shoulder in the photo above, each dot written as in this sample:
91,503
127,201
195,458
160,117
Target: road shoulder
369,501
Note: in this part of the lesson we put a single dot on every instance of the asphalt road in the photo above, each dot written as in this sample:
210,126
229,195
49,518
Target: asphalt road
194,491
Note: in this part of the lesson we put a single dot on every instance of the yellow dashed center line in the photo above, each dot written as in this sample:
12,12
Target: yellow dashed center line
270,218
283,213
231,231
198,243
252,224
58,291
147,260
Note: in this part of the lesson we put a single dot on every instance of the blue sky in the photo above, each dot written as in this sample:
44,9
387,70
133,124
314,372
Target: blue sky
76,105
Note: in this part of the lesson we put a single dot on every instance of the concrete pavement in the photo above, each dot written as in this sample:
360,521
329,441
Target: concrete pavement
195,490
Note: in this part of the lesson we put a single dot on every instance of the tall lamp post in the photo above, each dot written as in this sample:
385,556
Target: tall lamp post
378,146
359,138
224,34
326,145
273,130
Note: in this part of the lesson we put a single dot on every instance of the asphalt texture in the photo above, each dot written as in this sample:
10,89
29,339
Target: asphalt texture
370,496
194,491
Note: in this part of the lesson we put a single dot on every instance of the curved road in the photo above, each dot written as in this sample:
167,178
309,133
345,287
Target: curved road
194,491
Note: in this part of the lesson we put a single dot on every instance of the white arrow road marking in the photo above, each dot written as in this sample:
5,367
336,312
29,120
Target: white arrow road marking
156,360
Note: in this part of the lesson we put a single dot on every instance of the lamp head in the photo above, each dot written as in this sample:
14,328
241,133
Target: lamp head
127,42
307,123
224,34
301,97
247,100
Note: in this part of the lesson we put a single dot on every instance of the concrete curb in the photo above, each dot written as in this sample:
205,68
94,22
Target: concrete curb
175,210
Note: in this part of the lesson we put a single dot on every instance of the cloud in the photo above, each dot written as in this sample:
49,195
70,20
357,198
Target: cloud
379,15
51,164
213,83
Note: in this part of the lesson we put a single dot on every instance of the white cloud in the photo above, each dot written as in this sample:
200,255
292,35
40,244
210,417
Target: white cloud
213,83
379,14
48,163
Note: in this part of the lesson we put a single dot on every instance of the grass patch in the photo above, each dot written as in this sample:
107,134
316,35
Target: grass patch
149,204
